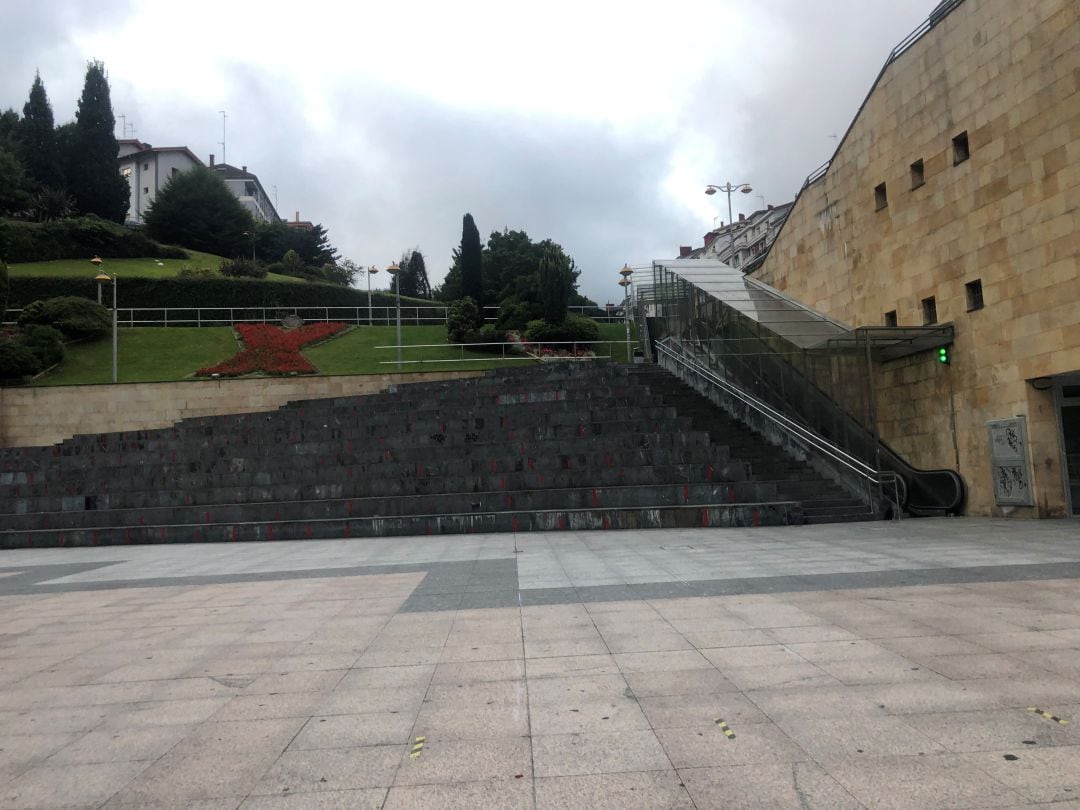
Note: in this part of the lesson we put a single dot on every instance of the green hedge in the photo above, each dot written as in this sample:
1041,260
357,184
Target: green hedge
203,292
77,238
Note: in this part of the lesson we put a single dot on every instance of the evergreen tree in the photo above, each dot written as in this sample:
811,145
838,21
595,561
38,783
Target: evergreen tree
14,196
37,136
9,128
195,210
472,279
414,279
555,284
93,177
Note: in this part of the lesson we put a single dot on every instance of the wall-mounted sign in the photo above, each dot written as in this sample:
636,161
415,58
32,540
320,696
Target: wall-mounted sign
1010,462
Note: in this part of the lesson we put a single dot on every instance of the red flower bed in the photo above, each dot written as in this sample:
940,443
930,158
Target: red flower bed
272,350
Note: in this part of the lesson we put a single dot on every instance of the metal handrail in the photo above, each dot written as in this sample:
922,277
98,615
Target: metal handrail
880,478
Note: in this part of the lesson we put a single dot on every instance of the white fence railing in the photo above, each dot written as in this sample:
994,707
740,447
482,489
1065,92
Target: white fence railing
411,315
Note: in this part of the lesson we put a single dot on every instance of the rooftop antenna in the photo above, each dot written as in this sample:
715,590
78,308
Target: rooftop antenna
222,141
762,198
123,126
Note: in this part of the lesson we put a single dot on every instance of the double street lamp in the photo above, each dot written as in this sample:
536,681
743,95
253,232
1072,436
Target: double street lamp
395,273
728,188
104,278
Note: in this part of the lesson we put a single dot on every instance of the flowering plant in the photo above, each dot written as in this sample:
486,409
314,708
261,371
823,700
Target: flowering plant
271,349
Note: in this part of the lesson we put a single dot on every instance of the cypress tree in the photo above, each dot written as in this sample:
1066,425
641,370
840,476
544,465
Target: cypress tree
94,178
472,280
37,132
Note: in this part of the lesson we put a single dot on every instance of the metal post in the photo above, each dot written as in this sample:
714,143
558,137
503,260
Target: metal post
397,289
731,225
114,329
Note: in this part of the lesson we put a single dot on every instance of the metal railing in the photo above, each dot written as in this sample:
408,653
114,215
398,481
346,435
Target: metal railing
411,315
882,480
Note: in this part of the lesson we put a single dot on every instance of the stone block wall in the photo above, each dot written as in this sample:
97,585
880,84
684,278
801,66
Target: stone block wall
1007,75
46,415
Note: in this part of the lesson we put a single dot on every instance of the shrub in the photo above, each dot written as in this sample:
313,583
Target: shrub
17,361
5,290
46,343
516,315
77,238
241,268
190,271
575,328
461,318
75,317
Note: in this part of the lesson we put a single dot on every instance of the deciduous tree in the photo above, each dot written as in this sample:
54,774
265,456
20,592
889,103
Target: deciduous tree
195,210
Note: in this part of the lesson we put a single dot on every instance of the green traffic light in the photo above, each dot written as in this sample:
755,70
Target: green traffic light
943,355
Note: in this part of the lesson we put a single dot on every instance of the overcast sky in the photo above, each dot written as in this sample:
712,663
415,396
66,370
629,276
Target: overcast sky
596,124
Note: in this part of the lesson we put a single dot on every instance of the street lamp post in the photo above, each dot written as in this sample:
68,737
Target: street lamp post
252,235
625,283
728,188
102,278
395,273
370,272
96,261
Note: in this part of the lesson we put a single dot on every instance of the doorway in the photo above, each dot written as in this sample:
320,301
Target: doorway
1069,419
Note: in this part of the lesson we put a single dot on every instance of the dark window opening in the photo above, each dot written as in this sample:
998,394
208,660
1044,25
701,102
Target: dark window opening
890,318
918,175
974,295
881,198
929,310
960,151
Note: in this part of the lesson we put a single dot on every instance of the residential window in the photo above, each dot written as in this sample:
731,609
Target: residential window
881,198
146,167
146,190
960,150
890,318
974,295
929,310
918,174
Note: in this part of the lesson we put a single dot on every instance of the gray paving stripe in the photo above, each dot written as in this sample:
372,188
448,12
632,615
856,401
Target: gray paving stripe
493,583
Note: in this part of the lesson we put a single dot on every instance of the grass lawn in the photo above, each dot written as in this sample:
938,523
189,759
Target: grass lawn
356,352
145,355
126,268
152,354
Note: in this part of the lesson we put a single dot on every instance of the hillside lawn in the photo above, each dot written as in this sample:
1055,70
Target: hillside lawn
128,268
156,354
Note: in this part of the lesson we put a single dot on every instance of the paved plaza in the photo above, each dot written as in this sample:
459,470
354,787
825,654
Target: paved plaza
923,663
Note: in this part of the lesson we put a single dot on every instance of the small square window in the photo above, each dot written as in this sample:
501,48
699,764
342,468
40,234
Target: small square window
929,310
918,175
960,151
974,295
146,167
146,190
881,198
890,318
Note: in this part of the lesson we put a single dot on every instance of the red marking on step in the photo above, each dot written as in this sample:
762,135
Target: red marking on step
509,501
442,428
292,438
608,462
234,534
142,521
307,532
731,494
93,539
277,515
656,428
493,464
756,519
63,540
595,498
127,535
162,534
708,473
607,522
419,470
704,517
348,505
348,529
269,532
541,479
686,493
386,455
532,463
511,436
580,429
562,522
429,528
502,483
504,422
515,523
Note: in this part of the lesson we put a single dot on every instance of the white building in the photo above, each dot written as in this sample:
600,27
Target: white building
147,169
752,236
248,190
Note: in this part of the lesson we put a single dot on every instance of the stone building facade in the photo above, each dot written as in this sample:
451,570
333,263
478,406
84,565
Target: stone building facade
954,197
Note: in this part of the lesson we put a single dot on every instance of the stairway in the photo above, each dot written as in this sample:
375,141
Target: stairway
822,500
566,446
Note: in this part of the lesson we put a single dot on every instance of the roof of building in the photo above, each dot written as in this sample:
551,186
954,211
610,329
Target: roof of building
145,149
230,172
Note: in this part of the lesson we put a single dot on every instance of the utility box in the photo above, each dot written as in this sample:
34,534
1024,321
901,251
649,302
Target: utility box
1010,462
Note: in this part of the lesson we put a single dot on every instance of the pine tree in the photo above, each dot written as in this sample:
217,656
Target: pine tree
93,177
555,284
414,280
37,135
472,279
195,210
